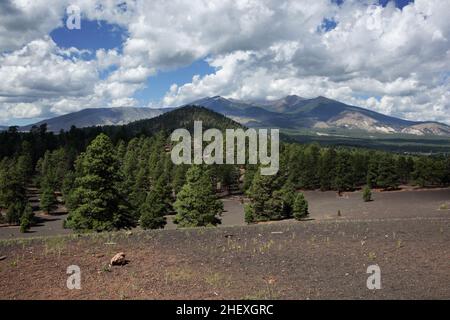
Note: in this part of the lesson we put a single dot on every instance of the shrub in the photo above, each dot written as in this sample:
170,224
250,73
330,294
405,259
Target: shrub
367,194
26,219
300,208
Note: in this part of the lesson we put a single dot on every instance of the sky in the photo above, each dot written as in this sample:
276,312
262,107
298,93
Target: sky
389,56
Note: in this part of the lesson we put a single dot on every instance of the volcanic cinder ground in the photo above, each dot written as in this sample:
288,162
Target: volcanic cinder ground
405,233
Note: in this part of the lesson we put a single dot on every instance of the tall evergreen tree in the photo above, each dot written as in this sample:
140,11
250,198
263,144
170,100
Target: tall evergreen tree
327,169
26,219
48,199
266,200
196,203
157,204
344,174
387,173
300,209
97,201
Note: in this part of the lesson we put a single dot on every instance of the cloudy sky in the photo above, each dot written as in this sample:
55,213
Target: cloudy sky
388,56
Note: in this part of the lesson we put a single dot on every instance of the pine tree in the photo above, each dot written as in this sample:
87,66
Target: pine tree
157,204
300,208
48,199
26,219
196,203
266,200
179,177
97,201
327,169
287,194
250,171
387,173
12,188
367,194
14,212
344,176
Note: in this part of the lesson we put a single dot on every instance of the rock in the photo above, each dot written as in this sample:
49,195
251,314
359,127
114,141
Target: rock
118,260
2,258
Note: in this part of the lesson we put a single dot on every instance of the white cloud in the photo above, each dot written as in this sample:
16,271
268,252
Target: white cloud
402,56
386,59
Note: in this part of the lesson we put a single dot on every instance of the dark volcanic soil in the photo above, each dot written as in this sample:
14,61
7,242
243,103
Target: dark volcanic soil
322,205
284,260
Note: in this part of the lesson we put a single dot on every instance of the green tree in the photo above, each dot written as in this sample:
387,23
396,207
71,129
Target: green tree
344,176
179,177
97,203
327,169
287,194
157,204
387,173
367,194
266,200
26,219
372,171
48,199
12,188
14,212
300,209
196,203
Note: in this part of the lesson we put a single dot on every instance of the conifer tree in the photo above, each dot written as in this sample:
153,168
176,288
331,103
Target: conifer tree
156,205
300,206
287,194
387,173
97,201
179,177
367,194
196,203
344,176
48,199
26,219
327,169
266,200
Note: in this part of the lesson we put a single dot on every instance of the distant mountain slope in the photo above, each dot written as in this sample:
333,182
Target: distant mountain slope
292,113
98,117
318,114
182,117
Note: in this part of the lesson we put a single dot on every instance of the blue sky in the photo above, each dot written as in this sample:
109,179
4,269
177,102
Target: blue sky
95,35
131,53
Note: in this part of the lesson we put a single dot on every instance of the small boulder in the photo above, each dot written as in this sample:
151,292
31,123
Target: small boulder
118,260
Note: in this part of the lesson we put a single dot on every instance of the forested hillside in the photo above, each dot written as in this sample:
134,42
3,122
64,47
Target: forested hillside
121,176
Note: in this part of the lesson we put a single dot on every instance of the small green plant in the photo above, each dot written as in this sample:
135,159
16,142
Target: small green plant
106,268
300,209
367,194
26,219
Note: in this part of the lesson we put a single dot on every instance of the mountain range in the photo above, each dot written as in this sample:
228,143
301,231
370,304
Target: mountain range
321,116
98,117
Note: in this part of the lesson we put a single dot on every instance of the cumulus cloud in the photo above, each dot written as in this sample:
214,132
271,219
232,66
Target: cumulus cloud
399,60
383,58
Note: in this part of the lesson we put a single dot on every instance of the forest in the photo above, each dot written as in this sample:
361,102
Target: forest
120,177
